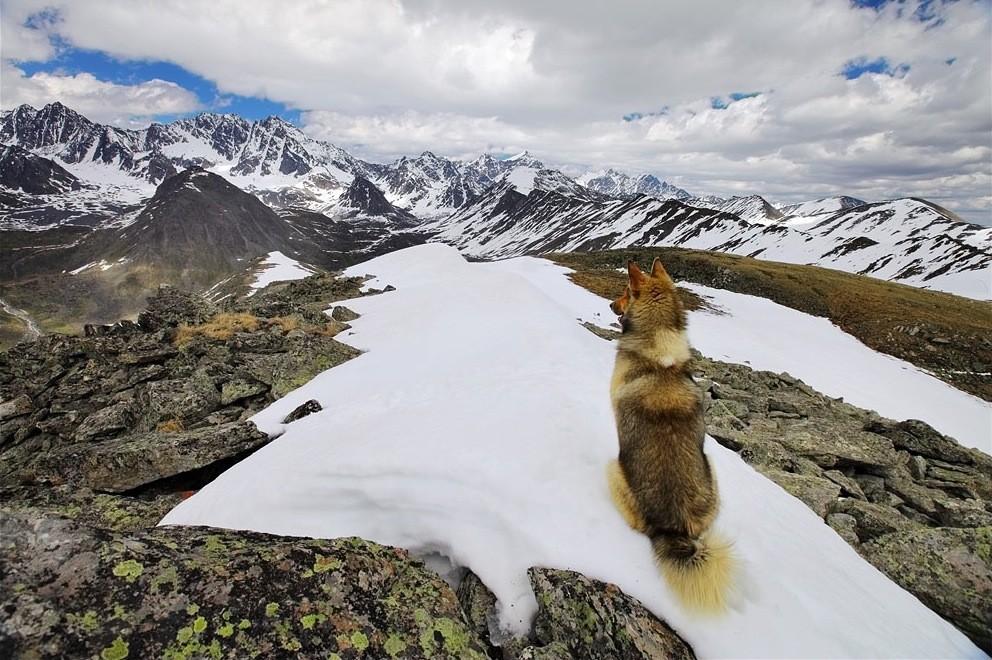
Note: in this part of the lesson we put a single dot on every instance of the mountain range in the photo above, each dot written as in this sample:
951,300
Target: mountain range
199,199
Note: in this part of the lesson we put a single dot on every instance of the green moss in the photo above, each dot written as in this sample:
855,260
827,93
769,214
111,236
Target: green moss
199,625
192,609
129,569
166,574
244,624
215,544
359,640
272,609
456,638
983,544
394,645
184,635
323,564
310,620
226,630
117,650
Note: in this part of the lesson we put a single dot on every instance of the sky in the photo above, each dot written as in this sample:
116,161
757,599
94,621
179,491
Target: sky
793,100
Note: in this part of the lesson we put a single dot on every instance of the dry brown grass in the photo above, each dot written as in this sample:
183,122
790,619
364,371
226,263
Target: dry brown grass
220,328
171,426
284,323
948,335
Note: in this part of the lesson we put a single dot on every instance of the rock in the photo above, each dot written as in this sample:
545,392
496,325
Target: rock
307,408
171,307
594,620
967,513
873,519
950,570
873,487
863,451
783,406
185,399
240,388
479,605
21,405
155,355
846,526
553,651
920,438
816,492
919,497
918,467
106,423
102,510
127,463
848,485
343,314
72,590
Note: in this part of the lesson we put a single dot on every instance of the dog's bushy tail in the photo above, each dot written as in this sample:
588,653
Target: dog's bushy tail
699,571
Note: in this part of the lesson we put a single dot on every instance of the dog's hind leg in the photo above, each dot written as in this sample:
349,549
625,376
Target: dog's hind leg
623,498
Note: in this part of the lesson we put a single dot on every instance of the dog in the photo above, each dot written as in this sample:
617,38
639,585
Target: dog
662,482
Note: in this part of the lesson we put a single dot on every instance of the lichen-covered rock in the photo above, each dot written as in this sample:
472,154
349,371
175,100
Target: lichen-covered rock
872,519
69,590
846,526
816,492
922,439
126,463
171,307
596,621
950,570
479,605
114,512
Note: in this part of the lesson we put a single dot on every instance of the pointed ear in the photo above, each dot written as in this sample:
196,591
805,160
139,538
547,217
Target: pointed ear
657,270
635,276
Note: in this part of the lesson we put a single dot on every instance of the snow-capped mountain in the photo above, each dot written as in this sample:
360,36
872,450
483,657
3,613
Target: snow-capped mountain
805,212
491,206
618,184
906,240
752,208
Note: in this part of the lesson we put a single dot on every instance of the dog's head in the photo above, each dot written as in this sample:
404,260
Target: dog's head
649,300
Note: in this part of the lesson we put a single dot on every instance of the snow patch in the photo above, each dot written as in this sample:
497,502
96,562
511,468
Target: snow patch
277,267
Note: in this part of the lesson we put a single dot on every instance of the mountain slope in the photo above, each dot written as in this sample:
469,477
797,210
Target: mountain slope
753,208
21,170
909,240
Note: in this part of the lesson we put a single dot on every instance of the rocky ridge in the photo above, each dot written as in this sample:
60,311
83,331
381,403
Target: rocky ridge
100,435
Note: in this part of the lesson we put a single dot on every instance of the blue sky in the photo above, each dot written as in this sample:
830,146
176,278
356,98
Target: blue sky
70,61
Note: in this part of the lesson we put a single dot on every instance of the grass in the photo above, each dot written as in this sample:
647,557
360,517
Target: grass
221,327
947,335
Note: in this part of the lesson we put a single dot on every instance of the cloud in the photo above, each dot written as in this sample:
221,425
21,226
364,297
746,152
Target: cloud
100,101
867,101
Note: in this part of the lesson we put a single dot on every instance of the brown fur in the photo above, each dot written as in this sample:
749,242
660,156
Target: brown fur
662,483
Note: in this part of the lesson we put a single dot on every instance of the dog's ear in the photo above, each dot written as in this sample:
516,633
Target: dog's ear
657,270
635,276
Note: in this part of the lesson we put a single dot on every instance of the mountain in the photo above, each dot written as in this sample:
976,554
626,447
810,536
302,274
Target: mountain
618,184
907,240
797,213
362,199
22,170
752,208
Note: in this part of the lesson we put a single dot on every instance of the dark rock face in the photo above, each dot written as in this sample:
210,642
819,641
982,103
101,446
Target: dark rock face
22,170
364,196
69,590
